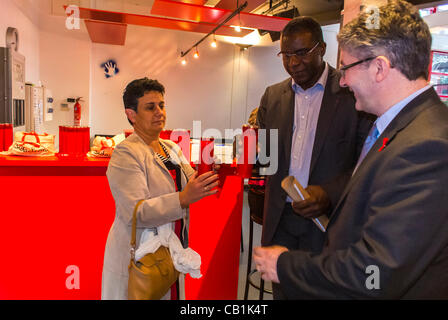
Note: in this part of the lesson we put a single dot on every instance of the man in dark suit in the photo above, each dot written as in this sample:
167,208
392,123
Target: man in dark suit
388,234
320,135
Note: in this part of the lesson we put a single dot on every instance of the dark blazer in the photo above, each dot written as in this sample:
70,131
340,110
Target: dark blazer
393,214
340,134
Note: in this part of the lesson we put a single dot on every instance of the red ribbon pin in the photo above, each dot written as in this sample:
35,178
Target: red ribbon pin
385,141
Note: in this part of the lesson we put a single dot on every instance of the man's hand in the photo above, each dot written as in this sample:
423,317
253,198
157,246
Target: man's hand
266,261
315,206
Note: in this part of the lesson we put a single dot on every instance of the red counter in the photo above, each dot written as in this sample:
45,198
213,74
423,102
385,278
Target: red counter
215,233
55,217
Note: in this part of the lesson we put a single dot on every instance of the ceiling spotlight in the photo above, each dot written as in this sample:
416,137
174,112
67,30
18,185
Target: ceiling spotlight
184,62
214,44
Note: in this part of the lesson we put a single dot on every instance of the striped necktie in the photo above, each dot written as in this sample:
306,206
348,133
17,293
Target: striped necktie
370,141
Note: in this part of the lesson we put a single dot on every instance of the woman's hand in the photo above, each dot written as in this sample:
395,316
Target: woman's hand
315,206
198,188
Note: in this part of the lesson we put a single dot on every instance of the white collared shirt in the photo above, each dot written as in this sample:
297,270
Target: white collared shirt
306,114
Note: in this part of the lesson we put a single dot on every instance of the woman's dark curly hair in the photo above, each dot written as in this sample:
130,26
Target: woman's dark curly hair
137,89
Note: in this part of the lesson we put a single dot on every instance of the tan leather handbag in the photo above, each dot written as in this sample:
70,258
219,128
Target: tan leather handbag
151,277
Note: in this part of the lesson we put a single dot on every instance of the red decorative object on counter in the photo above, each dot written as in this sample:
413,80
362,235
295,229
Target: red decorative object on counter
206,156
181,137
246,160
74,141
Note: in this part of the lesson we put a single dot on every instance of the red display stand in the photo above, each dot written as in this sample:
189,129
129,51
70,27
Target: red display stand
215,233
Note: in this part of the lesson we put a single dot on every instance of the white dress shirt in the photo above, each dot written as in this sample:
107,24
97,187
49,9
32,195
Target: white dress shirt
306,114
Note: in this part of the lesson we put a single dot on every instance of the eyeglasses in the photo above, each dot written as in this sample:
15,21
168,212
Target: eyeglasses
302,53
351,65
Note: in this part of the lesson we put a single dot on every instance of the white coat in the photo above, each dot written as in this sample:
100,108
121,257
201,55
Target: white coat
135,172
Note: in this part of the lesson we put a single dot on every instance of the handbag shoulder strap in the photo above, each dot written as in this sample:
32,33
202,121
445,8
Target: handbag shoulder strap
134,229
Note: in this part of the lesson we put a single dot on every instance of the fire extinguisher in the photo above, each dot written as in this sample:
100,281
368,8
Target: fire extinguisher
77,112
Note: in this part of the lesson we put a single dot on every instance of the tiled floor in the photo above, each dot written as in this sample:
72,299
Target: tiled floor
253,293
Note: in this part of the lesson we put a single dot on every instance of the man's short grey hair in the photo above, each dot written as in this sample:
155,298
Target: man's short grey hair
401,35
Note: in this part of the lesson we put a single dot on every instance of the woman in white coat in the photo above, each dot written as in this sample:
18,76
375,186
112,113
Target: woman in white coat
147,167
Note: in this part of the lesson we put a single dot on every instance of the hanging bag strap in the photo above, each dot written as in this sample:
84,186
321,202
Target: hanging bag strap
134,229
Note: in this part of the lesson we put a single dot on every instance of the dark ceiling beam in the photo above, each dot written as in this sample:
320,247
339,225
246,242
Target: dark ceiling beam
232,4
329,17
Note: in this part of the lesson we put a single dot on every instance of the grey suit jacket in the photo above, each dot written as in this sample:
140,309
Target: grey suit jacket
340,134
392,214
